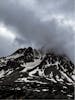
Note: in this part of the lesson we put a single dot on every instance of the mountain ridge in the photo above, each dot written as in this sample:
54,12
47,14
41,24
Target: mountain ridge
28,70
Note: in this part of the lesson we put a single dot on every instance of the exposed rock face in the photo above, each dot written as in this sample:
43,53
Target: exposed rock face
20,51
24,75
13,64
29,55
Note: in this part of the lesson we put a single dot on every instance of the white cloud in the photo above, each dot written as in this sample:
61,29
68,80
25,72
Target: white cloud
6,33
7,38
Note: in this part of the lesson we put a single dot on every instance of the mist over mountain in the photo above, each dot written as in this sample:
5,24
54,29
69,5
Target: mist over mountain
48,23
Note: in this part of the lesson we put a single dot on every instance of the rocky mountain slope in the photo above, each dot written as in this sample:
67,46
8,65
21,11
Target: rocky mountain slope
26,74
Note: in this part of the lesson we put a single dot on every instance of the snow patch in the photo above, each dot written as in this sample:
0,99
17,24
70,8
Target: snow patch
66,76
1,73
45,90
73,76
14,56
30,65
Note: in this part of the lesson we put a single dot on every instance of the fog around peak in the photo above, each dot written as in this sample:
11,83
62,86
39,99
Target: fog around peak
37,23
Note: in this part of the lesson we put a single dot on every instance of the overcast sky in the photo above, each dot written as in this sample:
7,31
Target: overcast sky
37,23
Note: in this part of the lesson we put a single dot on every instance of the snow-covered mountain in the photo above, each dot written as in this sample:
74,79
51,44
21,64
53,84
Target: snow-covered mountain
27,74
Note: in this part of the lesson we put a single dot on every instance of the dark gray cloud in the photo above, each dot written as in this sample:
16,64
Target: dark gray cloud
48,23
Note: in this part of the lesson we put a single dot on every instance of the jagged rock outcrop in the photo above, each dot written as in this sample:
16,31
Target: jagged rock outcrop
29,55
